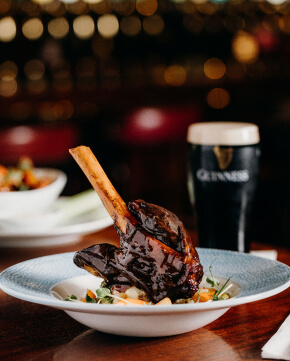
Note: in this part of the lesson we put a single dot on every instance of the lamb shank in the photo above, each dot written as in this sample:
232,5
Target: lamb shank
156,253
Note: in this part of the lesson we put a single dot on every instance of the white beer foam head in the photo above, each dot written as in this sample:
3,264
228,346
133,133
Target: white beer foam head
223,133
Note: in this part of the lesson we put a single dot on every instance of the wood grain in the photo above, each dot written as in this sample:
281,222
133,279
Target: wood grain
34,332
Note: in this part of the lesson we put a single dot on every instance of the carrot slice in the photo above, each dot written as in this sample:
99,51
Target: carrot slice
204,296
91,294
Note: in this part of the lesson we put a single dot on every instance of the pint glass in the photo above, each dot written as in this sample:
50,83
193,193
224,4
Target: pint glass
223,176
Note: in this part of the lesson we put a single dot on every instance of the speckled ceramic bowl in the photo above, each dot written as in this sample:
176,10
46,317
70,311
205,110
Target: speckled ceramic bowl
47,280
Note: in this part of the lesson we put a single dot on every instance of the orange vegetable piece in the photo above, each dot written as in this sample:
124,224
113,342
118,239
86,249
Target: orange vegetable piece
30,179
91,294
131,300
204,296
3,170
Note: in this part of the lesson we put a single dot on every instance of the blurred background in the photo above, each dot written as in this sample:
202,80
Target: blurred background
127,77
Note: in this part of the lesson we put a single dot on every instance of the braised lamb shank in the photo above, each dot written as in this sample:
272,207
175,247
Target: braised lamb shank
155,254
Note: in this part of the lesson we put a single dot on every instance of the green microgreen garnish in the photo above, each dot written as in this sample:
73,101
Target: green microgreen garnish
212,281
219,293
71,298
105,296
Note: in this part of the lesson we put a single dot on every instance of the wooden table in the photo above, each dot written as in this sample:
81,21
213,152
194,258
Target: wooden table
34,332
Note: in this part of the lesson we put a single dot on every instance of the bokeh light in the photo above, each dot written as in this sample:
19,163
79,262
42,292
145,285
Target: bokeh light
284,24
84,26
108,25
36,86
218,98
125,7
103,7
5,5
8,70
42,2
92,1
63,110
153,25
130,25
7,29
8,88
32,29
58,28
34,69
175,75
146,7
76,7
245,47
214,68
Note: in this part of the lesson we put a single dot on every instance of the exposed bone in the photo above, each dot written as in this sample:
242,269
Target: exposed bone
111,199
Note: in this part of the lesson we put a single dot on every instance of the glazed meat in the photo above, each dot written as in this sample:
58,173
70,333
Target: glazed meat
155,254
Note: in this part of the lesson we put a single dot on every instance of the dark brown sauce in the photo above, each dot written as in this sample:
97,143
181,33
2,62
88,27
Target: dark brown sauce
157,255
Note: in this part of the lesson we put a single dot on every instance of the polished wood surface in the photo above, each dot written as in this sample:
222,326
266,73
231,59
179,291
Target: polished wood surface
34,332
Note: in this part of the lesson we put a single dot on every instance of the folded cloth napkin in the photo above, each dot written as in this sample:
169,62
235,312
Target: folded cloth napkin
278,347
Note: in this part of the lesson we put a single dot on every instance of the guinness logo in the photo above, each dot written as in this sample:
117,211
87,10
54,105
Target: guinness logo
224,156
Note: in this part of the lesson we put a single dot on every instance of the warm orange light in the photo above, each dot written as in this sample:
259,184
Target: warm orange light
37,86
153,25
130,25
42,2
8,88
146,7
175,75
63,110
34,69
5,6
214,68
284,24
245,47
32,29
8,71
125,7
218,98
58,27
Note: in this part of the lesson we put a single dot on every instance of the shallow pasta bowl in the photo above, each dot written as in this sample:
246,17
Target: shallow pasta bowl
47,280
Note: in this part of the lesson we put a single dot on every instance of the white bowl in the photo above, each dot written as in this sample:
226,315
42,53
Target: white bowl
13,204
47,280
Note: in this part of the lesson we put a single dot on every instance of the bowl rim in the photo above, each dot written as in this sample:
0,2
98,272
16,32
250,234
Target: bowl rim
9,283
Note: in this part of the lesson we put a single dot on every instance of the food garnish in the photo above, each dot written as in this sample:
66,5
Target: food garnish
21,177
134,296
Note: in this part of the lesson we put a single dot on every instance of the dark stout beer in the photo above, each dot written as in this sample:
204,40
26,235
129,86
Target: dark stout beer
223,175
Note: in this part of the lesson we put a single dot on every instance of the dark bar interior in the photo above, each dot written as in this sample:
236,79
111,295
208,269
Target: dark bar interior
126,78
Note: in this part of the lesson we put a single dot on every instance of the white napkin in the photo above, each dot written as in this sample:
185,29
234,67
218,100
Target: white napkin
269,253
278,347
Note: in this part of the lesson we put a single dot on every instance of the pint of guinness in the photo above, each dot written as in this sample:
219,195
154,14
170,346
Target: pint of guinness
223,175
